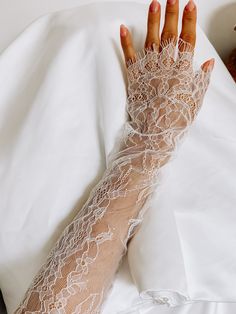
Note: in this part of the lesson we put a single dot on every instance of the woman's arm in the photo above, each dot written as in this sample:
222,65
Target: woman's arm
164,97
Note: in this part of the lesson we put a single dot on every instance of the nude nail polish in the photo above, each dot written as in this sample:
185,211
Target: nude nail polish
154,6
190,5
123,30
171,2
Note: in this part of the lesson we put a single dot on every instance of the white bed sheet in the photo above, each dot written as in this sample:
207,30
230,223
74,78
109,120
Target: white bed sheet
16,15
60,88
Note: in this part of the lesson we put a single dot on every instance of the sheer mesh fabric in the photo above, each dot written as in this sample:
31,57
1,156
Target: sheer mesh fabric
164,97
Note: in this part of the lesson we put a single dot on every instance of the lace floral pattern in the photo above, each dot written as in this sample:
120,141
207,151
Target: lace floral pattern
164,97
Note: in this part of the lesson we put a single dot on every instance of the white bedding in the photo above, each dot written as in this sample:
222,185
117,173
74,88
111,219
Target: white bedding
62,103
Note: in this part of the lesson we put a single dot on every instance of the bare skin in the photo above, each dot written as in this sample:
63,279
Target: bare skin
170,29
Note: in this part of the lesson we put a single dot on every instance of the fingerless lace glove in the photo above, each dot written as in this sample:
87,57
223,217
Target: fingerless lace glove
164,98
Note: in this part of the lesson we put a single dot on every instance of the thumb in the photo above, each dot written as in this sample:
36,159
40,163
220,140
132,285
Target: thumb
208,65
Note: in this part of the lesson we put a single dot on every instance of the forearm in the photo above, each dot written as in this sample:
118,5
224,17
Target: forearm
80,268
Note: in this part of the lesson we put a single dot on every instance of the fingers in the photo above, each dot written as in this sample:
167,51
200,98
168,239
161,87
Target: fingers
188,32
153,25
170,29
208,65
127,44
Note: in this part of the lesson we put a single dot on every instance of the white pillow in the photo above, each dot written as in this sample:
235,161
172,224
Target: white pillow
62,103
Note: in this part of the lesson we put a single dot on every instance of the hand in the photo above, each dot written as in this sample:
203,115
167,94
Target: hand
164,92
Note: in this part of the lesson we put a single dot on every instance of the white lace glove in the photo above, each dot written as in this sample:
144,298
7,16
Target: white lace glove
164,97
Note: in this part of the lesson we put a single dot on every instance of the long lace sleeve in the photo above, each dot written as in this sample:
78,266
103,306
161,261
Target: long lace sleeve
164,97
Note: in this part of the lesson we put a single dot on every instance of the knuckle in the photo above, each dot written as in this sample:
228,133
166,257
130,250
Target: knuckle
171,11
189,17
150,42
189,37
153,23
168,34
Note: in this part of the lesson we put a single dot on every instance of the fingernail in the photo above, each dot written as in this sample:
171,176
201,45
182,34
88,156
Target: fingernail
154,6
123,30
171,2
211,64
190,5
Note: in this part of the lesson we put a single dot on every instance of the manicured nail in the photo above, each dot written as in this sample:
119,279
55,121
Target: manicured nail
154,6
211,64
123,30
171,2
190,5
